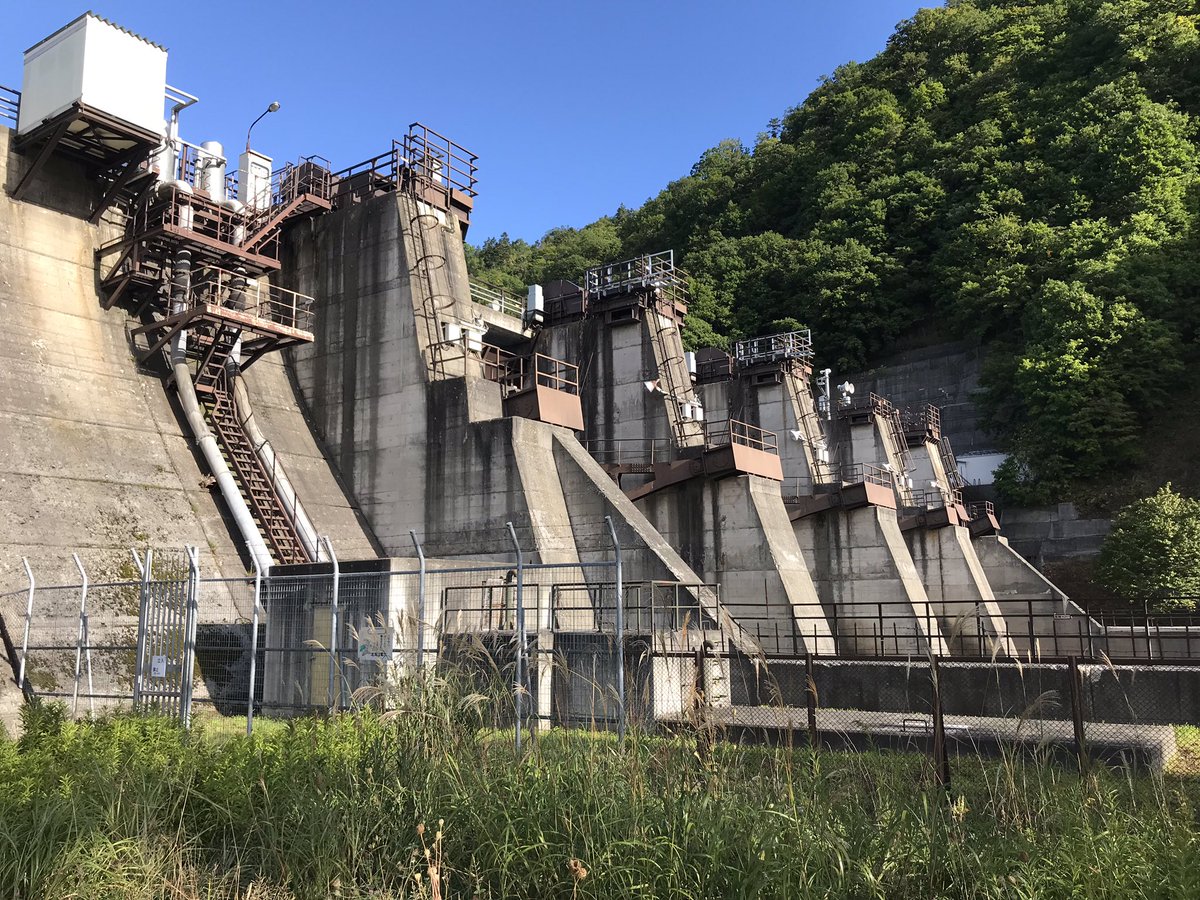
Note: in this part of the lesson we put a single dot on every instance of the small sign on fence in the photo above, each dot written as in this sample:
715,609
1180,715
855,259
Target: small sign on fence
375,644
158,667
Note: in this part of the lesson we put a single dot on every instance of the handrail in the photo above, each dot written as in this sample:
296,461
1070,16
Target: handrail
219,287
496,298
10,104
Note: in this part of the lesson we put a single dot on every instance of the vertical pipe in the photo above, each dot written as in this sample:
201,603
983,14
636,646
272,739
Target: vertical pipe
28,621
189,642
519,685
420,603
1077,712
941,759
253,650
333,626
79,634
87,639
619,577
810,698
139,662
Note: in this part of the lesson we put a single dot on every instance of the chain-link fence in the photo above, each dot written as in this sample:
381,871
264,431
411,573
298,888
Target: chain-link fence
547,645
1083,712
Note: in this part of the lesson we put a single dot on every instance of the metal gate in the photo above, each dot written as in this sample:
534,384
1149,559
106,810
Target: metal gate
165,658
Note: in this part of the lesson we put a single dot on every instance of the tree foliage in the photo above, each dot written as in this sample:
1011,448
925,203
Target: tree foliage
1152,553
1022,174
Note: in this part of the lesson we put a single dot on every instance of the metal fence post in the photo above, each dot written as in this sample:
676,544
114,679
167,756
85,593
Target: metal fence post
810,696
420,602
28,621
519,685
254,620
191,614
79,638
1077,712
139,662
619,586
334,690
941,758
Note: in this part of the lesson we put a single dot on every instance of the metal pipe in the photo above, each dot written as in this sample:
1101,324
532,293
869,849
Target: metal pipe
420,602
79,635
522,648
181,285
288,497
189,629
333,625
28,620
139,663
620,624
253,651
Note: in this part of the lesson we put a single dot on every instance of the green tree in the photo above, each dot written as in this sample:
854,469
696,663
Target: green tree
1152,554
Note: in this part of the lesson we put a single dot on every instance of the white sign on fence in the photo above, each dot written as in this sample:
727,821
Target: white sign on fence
158,667
375,644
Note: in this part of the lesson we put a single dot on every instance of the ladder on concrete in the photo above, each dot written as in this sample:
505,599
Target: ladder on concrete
809,422
670,364
252,477
217,348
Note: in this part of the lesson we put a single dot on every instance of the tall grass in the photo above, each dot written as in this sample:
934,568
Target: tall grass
423,801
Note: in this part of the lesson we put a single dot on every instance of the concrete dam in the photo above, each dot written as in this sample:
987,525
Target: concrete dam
291,369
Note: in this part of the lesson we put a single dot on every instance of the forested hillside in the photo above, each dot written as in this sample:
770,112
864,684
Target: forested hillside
1023,173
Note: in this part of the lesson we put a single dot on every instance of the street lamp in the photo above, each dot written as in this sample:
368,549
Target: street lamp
274,107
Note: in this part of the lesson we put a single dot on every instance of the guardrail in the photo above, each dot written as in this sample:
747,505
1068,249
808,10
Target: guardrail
716,368
734,431
310,175
379,174
631,451
220,287
933,498
497,298
438,161
10,105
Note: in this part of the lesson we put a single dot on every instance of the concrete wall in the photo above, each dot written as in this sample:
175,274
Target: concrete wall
957,587
946,375
1051,533
615,360
736,532
93,458
863,571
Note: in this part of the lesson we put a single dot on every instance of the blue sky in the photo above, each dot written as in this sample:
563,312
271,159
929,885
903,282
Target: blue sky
572,107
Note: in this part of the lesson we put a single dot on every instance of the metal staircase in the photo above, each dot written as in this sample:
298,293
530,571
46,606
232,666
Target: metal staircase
252,478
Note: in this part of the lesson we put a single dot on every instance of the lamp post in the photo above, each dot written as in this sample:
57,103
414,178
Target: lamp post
274,107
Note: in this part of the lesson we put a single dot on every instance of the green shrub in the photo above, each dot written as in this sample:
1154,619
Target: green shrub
1152,554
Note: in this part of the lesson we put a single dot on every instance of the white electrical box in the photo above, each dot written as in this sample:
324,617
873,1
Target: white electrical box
99,65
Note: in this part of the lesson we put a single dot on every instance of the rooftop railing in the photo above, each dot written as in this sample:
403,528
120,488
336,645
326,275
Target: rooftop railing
438,161
653,271
774,348
10,105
